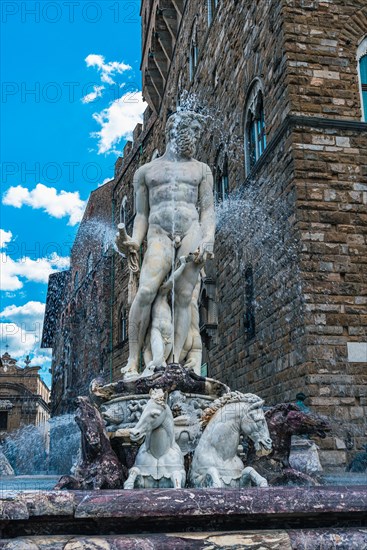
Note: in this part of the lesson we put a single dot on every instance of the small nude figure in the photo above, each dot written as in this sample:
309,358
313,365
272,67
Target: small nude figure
159,342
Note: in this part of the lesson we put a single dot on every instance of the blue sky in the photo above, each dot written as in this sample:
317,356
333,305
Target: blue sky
68,70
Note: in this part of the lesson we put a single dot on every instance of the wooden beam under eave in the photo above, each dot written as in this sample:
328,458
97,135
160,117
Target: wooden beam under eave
155,75
152,96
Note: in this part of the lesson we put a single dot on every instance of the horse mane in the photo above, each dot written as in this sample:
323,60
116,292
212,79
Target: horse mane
233,397
158,396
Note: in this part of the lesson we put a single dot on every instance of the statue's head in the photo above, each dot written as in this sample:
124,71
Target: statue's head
183,130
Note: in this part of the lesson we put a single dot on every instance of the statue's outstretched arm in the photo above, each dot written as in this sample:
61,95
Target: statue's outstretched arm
130,245
175,275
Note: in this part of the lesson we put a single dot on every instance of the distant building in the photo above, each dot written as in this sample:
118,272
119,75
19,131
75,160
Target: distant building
24,397
283,307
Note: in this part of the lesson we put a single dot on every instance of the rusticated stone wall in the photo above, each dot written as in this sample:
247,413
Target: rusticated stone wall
332,218
304,197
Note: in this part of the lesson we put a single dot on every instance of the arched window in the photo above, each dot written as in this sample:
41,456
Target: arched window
179,89
221,179
255,129
76,280
362,71
212,7
194,52
89,263
123,325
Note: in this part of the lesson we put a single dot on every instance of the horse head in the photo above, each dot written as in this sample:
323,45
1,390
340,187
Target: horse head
289,418
254,425
90,422
152,417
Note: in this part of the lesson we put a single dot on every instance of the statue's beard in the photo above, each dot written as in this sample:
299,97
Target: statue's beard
185,144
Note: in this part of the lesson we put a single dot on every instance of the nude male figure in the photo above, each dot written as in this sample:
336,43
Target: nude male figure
175,211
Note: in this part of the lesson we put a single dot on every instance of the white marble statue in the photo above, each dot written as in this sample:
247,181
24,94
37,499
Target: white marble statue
175,213
159,462
215,462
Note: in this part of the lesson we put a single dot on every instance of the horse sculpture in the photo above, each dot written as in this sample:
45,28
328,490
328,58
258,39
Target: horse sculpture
99,467
215,462
285,420
159,462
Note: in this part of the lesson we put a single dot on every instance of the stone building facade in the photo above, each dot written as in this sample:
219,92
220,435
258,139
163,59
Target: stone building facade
78,307
24,397
284,304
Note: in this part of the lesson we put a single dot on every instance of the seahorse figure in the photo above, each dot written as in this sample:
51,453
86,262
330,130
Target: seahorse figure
215,462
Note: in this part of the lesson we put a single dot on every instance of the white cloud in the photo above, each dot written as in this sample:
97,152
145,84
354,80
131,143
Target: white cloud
37,271
22,332
13,272
29,313
56,204
119,120
5,238
61,262
107,70
106,180
92,96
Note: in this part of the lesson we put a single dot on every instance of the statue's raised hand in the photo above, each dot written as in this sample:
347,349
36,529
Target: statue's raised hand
128,246
203,252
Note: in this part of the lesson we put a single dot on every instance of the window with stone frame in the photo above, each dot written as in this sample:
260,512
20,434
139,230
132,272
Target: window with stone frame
255,128
212,8
76,280
221,184
194,53
362,71
3,420
123,325
180,89
89,263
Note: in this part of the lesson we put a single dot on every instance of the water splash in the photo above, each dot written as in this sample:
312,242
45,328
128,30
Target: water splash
50,448
103,235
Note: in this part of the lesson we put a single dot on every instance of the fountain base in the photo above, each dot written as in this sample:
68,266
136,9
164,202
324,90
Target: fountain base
188,518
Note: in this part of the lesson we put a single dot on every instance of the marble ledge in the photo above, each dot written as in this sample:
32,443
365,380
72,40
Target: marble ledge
327,539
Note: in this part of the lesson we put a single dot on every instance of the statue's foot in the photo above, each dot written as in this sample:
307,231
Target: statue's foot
148,371
129,485
130,372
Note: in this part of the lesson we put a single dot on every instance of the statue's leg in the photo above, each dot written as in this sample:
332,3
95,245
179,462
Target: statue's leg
130,482
183,297
194,352
212,478
184,290
157,347
156,265
249,474
178,479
